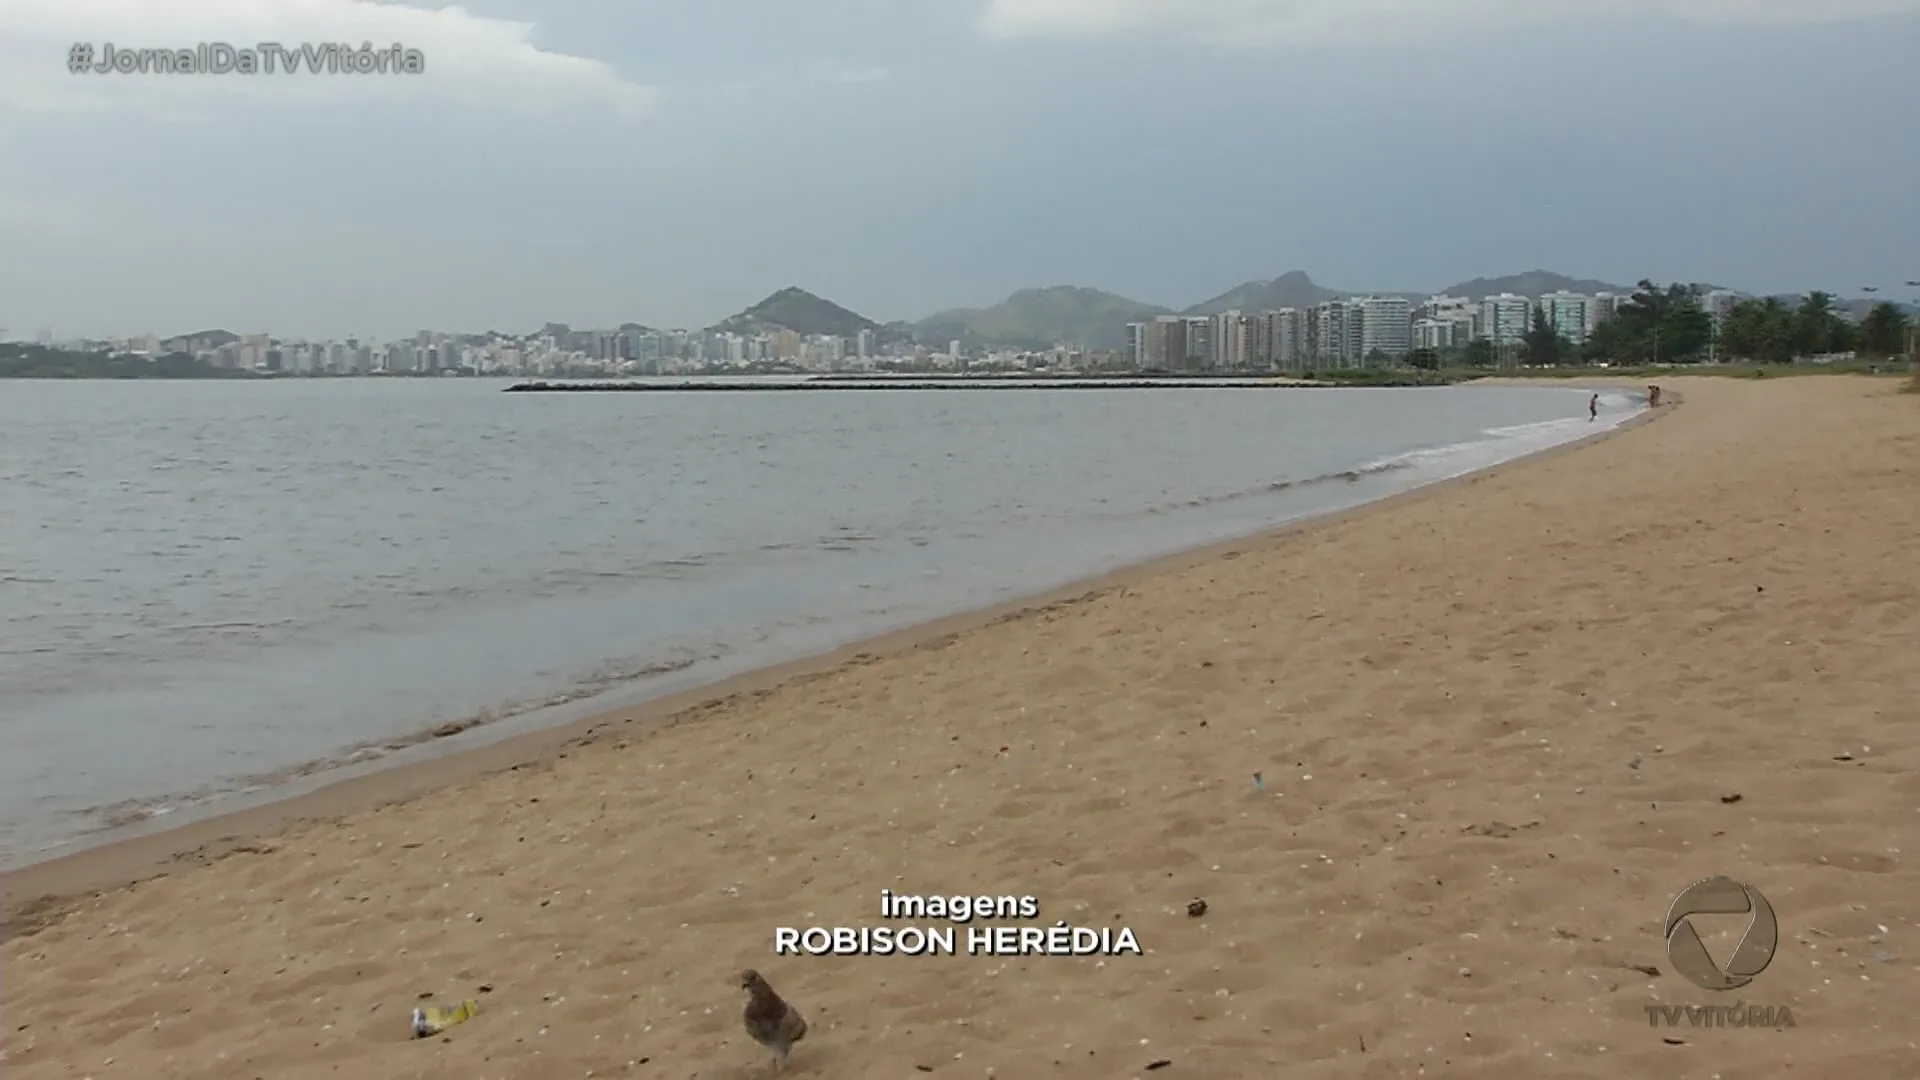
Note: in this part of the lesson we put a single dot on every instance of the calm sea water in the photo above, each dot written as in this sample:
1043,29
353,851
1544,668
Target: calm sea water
207,589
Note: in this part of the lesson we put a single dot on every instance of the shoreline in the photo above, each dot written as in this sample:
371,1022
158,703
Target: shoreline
586,658
1502,725
40,891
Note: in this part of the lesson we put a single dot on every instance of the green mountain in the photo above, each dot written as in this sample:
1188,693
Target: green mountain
1531,283
1293,289
1040,319
798,310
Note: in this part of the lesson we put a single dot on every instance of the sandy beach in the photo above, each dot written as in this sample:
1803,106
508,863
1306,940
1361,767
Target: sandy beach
1499,723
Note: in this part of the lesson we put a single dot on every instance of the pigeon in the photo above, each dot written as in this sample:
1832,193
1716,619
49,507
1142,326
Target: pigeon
772,1022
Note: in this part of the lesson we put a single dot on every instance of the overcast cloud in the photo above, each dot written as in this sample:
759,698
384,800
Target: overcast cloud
665,161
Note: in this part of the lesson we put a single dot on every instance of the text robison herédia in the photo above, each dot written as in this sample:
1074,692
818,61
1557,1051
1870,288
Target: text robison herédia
959,935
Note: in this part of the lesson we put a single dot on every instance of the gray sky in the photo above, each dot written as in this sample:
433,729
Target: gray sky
671,161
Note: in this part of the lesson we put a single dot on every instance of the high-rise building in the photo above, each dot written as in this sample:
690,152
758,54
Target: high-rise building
1504,319
1567,314
1452,331
1273,340
1386,326
1163,343
1603,306
1341,330
1446,322
1288,351
1231,339
1199,342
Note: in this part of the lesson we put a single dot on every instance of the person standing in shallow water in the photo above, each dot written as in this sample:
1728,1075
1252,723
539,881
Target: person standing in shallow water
1593,408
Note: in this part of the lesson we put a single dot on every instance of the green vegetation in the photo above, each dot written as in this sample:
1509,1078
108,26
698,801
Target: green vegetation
1652,373
42,362
1771,332
1666,325
1543,344
1656,324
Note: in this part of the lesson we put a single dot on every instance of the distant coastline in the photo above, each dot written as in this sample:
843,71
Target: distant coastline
46,362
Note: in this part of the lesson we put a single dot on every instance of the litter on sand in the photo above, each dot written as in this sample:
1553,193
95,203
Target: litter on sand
429,1020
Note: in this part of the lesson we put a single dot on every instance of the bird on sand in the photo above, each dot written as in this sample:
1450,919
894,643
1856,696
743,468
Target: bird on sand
772,1022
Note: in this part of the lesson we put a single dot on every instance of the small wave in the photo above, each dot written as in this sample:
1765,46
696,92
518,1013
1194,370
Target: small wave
1348,476
1497,443
196,627
131,812
1541,427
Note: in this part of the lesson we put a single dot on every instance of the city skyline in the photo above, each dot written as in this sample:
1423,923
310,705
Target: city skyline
1904,294
1335,334
1362,330
592,161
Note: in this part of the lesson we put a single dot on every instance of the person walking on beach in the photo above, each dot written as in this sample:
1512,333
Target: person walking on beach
1593,408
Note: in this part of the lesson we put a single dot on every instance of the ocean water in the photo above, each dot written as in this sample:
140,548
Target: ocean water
212,591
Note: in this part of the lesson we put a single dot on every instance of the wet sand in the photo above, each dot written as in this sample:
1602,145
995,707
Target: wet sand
1500,724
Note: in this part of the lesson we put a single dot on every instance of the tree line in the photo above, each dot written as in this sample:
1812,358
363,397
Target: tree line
19,361
1669,324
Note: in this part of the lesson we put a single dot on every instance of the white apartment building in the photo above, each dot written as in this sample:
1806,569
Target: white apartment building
1199,343
1446,322
1504,319
1160,344
1386,325
1339,331
1279,343
1451,332
1231,341
1601,307
1567,313
1442,306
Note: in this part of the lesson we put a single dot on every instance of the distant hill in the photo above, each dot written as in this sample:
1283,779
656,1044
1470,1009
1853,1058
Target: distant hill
1531,283
1293,289
211,339
798,310
1040,319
